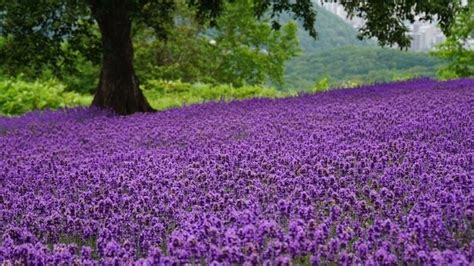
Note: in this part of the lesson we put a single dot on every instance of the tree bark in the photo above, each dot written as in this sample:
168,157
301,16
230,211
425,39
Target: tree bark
118,88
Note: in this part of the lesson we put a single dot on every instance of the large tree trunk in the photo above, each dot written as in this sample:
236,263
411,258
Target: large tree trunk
118,87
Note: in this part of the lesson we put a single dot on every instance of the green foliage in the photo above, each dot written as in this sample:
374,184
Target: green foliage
456,48
45,34
185,54
240,50
52,34
359,65
248,50
321,85
167,94
387,21
19,96
83,80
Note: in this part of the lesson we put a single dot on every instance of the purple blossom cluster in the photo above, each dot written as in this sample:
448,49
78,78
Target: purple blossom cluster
378,175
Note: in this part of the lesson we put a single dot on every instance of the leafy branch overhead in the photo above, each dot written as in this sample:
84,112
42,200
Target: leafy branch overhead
386,20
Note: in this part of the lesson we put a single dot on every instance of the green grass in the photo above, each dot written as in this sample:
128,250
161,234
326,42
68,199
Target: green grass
164,95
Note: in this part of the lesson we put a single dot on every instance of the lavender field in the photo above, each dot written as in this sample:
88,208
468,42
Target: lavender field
378,175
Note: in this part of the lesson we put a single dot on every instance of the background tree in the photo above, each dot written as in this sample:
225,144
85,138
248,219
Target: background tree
239,50
52,32
458,48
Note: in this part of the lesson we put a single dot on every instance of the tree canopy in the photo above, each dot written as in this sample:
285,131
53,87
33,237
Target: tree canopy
54,33
458,47
239,50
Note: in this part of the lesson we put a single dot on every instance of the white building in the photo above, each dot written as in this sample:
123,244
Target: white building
425,36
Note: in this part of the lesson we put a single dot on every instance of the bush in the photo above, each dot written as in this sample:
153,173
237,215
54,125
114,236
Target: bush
19,96
321,85
168,94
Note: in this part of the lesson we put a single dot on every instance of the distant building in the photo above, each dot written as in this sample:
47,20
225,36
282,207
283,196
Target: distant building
425,36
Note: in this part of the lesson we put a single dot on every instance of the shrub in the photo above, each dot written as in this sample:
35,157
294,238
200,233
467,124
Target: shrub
19,96
168,94
321,85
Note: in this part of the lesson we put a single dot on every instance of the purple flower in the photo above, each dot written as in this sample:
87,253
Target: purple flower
378,175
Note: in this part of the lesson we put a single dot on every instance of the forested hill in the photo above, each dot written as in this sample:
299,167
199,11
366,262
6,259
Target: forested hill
358,64
332,32
341,58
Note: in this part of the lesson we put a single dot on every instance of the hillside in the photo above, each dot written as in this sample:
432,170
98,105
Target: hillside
332,32
339,56
358,64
